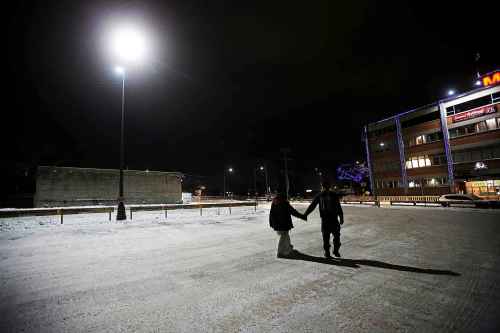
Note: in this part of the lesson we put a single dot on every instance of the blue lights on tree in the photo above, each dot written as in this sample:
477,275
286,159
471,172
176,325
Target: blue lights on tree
352,172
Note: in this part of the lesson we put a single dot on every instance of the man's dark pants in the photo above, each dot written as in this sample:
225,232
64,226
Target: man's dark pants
330,227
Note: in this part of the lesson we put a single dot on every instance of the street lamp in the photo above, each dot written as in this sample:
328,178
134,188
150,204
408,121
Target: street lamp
121,214
128,46
229,170
264,168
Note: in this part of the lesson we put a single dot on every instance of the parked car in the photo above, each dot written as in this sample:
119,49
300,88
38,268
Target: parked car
447,199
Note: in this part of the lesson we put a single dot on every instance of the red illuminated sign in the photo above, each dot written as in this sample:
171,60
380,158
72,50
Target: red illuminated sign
474,113
491,79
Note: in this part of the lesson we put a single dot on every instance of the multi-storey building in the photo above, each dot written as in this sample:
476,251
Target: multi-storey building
452,145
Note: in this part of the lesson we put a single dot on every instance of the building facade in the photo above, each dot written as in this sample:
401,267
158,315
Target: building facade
64,186
451,146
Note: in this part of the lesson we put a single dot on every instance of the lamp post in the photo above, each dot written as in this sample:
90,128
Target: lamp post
268,190
229,170
261,168
128,46
121,214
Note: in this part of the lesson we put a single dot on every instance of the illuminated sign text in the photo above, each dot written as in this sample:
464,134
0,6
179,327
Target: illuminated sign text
491,80
474,113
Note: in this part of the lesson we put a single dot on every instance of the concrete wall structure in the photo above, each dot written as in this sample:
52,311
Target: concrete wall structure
66,186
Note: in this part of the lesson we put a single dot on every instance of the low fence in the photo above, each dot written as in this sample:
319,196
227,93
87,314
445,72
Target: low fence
200,206
412,198
6,213
417,200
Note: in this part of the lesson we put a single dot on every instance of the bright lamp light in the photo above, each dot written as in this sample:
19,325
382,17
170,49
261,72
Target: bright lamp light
119,70
128,44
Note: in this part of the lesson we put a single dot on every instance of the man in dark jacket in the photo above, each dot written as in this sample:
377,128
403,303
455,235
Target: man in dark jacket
280,219
331,215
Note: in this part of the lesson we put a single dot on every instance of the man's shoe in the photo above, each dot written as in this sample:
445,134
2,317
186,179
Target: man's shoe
289,255
336,253
327,255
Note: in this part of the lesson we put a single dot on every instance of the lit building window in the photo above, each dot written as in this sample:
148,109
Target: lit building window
420,140
414,163
491,123
418,162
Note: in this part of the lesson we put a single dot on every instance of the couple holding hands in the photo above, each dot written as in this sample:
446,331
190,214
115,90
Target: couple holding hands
280,219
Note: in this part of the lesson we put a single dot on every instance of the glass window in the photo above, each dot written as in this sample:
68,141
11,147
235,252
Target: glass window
481,126
442,160
475,103
491,123
470,129
461,131
453,133
459,157
450,111
420,139
496,95
467,156
421,161
475,155
414,162
435,160
487,153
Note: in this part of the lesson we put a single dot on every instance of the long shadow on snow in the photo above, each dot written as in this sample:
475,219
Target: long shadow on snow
355,263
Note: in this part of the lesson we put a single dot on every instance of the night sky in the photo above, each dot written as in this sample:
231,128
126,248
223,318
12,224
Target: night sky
231,82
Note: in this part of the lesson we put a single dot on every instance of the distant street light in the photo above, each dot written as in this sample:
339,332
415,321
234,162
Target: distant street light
451,92
261,168
128,46
268,189
230,171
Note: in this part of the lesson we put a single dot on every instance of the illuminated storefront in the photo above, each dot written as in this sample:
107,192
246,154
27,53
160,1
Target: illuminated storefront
452,145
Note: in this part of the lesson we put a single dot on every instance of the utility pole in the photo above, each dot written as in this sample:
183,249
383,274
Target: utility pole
268,190
255,182
287,182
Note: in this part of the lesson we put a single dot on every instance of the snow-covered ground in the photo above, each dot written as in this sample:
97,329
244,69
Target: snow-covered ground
405,269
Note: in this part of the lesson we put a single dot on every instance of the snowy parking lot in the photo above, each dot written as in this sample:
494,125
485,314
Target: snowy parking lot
403,269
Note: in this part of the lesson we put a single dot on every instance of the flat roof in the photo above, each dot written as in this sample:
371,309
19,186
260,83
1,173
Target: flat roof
109,170
434,104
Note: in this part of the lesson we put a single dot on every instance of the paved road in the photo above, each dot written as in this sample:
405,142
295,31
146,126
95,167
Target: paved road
406,269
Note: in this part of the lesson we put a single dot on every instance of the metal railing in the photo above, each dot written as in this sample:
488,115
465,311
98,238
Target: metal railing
6,213
195,205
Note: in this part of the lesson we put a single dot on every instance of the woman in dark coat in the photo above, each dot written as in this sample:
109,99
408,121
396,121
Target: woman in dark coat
280,219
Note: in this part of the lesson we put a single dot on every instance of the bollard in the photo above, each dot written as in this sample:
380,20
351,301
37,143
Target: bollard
218,210
61,212
201,211
229,210
166,215
131,213
110,214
